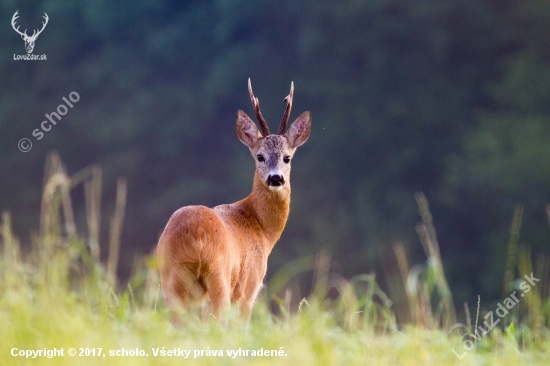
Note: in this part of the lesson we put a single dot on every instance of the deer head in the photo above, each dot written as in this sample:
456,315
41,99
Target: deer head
273,152
29,40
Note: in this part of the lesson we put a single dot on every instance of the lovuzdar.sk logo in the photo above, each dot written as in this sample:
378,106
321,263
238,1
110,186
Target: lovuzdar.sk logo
29,40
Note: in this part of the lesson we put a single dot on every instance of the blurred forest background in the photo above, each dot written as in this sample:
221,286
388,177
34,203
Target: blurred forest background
447,97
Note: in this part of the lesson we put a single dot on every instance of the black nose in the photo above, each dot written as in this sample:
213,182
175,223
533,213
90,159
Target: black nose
275,180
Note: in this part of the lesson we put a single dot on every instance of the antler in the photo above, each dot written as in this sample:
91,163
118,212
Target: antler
34,34
288,101
15,16
256,105
43,26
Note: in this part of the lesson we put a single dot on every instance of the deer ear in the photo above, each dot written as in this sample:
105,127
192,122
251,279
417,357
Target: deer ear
246,130
299,130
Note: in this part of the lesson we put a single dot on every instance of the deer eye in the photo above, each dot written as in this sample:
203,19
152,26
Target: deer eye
261,158
286,159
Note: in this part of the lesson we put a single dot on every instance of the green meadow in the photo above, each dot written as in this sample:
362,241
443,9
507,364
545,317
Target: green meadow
60,297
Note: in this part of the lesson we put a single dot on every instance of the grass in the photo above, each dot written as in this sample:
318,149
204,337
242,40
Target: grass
59,295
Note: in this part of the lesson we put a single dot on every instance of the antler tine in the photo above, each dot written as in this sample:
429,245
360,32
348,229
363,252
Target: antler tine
286,116
46,18
13,19
256,105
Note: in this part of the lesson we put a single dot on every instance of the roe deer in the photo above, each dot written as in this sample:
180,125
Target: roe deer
221,253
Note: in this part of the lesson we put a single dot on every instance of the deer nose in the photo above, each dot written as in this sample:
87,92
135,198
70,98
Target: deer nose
275,180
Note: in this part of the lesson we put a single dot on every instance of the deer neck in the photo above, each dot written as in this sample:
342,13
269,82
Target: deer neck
271,208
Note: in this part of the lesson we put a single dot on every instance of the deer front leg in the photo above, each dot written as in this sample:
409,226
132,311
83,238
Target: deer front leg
247,302
219,292
245,309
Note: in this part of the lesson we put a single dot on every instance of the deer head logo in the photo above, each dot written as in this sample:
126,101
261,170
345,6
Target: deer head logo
29,41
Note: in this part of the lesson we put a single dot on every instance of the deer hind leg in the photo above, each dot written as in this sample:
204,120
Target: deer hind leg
181,291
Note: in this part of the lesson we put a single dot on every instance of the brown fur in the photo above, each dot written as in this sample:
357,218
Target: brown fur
220,254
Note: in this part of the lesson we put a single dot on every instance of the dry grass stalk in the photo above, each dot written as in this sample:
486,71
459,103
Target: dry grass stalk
468,318
410,284
543,269
426,232
349,303
92,191
321,271
533,298
511,261
12,251
116,229
57,186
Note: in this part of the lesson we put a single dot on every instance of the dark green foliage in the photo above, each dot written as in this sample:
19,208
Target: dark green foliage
445,97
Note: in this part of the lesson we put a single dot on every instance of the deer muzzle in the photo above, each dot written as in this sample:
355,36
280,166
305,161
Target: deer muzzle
275,181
